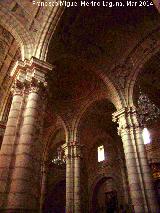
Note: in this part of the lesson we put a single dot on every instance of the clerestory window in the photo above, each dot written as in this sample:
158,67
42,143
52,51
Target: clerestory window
146,136
101,156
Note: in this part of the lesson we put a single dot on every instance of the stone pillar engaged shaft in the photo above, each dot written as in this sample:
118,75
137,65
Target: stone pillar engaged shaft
139,175
69,179
132,171
22,147
9,143
73,158
25,185
149,190
77,186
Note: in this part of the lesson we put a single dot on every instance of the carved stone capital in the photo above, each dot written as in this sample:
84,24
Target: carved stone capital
17,88
35,67
36,86
73,150
32,73
127,118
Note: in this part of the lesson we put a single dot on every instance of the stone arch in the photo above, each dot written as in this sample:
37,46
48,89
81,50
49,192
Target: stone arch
112,88
144,50
52,132
111,93
79,117
25,40
41,50
95,182
117,96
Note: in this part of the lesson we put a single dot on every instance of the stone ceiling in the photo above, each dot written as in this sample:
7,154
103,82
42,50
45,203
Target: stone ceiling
32,25
149,80
29,15
102,36
98,121
9,54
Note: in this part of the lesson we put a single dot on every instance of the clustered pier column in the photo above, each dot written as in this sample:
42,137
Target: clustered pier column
141,189
145,169
69,179
73,160
22,168
77,186
10,142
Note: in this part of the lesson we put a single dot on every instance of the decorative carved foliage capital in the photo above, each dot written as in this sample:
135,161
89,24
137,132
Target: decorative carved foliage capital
30,86
127,118
36,86
73,150
17,88
32,73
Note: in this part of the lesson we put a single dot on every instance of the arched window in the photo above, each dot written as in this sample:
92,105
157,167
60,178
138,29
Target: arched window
146,136
101,156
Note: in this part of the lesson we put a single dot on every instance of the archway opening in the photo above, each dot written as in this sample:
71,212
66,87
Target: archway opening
55,198
104,198
97,131
55,180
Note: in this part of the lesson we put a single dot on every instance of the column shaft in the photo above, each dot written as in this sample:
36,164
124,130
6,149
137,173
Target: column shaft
68,185
25,185
146,174
21,151
139,174
125,183
77,204
133,176
73,178
69,179
8,147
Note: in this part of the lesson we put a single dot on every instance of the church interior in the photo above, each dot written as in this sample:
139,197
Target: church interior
79,108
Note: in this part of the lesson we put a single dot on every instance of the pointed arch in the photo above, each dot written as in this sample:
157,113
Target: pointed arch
47,32
59,125
143,52
112,96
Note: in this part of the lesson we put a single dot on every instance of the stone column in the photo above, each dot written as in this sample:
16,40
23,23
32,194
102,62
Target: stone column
21,155
73,157
139,175
125,182
150,196
9,143
69,179
25,185
77,186
130,156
